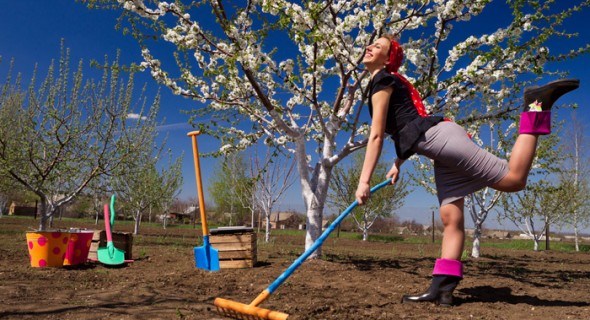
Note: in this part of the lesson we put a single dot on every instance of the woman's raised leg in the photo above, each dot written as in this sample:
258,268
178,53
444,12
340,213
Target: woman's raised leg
519,165
535,120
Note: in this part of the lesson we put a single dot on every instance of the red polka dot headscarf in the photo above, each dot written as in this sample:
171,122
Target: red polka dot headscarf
396,56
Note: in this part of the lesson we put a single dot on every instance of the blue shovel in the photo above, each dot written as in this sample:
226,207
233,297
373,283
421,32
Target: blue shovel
206,257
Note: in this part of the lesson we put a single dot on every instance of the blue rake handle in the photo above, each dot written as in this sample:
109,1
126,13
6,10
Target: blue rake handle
273,286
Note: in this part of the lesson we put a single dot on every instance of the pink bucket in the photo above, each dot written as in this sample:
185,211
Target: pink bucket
78,247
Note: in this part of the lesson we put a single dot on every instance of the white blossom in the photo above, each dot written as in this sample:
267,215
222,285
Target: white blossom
288,89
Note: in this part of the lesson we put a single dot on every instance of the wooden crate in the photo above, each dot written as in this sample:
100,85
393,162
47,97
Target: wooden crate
237,247
121,240
94,246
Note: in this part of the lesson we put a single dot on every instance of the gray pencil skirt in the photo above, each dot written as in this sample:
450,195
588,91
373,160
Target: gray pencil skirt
460,166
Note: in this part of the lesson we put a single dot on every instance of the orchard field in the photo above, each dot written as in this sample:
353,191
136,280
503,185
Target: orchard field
355,280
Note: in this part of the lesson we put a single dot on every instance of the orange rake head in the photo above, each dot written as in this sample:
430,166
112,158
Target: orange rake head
238,310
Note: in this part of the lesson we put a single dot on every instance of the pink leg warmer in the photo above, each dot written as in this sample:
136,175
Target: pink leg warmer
535,122
448,267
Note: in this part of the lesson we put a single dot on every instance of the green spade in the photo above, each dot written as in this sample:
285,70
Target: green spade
109,254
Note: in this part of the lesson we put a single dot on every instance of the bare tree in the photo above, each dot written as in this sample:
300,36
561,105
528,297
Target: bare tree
547,199
136,189
142,185
230,187
480,204
56,138
382,204
576,170
168,187
98,190
540,205
273,177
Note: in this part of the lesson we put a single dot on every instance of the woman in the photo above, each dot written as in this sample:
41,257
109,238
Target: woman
460,166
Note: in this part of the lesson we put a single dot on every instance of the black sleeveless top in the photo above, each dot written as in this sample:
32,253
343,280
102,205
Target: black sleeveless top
403,123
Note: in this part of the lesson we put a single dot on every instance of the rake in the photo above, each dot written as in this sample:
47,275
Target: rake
250,311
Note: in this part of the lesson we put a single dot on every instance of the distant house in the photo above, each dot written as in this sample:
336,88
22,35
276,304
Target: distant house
285,220
490,234
191,210
404,231
17,210
427,230
498,234
303,226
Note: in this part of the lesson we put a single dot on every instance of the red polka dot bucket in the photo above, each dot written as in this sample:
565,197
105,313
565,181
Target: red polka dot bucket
78,247
47,248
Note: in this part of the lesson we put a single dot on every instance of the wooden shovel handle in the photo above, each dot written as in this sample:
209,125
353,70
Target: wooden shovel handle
193,136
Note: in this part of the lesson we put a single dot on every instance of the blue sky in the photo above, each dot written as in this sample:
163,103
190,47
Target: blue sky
30,32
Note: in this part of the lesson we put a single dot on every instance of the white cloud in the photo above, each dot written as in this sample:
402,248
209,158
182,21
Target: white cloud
135,116
174,126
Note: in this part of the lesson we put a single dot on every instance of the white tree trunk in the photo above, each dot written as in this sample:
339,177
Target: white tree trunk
314,189
536,245
475,252
46,214
315,214
365,228
267,227
314,227
577,241
43,216
137,223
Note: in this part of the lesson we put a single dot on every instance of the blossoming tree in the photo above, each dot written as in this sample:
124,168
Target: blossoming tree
289,72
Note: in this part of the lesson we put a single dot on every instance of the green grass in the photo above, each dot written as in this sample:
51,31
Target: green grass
382,238
11,232
512,244
285,232
521,244
344,235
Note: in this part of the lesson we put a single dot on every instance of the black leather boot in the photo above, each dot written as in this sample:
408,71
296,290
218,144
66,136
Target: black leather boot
440,291
542,98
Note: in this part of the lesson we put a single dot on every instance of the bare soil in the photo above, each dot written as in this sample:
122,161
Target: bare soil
355,280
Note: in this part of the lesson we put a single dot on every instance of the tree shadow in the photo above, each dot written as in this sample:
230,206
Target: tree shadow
374,263
109,303
84,266
491,294
521,272
262,264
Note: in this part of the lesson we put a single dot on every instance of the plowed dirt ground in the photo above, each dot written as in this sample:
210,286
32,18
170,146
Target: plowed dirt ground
355,280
